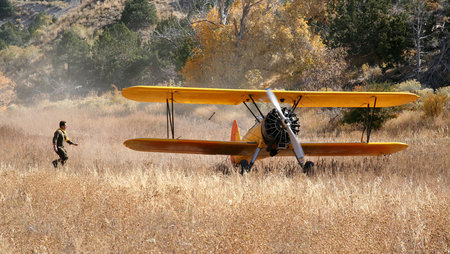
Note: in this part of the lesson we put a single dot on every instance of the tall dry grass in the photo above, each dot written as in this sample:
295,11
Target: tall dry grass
111,199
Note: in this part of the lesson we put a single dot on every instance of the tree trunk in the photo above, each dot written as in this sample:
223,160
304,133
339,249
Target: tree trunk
418,32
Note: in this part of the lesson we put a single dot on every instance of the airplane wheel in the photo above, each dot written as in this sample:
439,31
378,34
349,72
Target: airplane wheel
245,167
308,168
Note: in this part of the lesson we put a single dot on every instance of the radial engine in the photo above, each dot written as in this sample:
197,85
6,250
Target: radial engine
273,132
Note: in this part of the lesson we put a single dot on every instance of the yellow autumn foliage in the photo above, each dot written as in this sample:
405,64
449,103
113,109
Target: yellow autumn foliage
7,94
271,39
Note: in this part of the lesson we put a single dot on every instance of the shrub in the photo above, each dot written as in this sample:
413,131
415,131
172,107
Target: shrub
358,116
434,104
425,92
10,35
139,14
409,85
14,57
445,90
39,21
6,9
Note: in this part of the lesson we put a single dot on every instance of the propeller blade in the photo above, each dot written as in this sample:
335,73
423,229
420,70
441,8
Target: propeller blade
298,151
274,101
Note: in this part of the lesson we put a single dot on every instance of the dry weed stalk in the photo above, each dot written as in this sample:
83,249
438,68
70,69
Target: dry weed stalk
111,199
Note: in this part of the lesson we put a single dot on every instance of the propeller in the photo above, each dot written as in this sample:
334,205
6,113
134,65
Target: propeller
298,151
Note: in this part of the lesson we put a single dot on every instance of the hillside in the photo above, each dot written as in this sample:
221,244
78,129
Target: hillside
31,64
91,14
59,49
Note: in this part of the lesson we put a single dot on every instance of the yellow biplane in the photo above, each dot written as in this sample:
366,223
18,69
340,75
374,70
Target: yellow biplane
275,132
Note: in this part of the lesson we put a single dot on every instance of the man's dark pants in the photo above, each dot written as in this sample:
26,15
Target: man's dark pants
63,155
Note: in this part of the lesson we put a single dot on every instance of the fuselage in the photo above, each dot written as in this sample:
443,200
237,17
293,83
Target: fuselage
254,134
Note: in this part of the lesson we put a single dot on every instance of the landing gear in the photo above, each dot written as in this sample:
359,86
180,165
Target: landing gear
245,166
308,168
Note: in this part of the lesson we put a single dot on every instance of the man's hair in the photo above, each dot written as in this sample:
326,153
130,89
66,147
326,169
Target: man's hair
62,123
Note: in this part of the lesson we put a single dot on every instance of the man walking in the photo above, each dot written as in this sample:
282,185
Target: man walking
58,144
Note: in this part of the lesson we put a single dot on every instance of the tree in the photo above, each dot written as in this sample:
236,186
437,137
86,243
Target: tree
139,14
117,56
7,94
37,22
172,43
371,30
263,41
10,35
6,9
428,19
72,56
196,7
224,10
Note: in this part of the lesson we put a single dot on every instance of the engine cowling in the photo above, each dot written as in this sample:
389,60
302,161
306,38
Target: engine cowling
273,132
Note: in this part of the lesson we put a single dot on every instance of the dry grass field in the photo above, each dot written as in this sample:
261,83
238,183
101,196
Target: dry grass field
109,199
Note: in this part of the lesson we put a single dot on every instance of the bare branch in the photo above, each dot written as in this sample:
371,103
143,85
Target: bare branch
255,3
205,20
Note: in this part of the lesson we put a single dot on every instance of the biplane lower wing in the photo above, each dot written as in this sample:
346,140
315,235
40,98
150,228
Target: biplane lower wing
349,149
238,96
191,146
248,148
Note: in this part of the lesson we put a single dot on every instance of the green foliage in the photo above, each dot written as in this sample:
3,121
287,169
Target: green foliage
393,39
369,30
117,56
72,52
358,116
172,42
139,14
6,9
38,21
10,35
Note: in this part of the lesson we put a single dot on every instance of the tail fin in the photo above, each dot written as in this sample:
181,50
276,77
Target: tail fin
235,136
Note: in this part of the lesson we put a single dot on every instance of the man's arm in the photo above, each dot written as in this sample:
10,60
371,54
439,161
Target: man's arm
71,143
55,139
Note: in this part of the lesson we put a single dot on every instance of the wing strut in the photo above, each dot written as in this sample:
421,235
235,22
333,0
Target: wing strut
256,106
251,112
369,120
170,117
295,105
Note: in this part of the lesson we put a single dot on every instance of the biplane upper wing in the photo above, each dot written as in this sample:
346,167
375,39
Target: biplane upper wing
248,148
237,96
